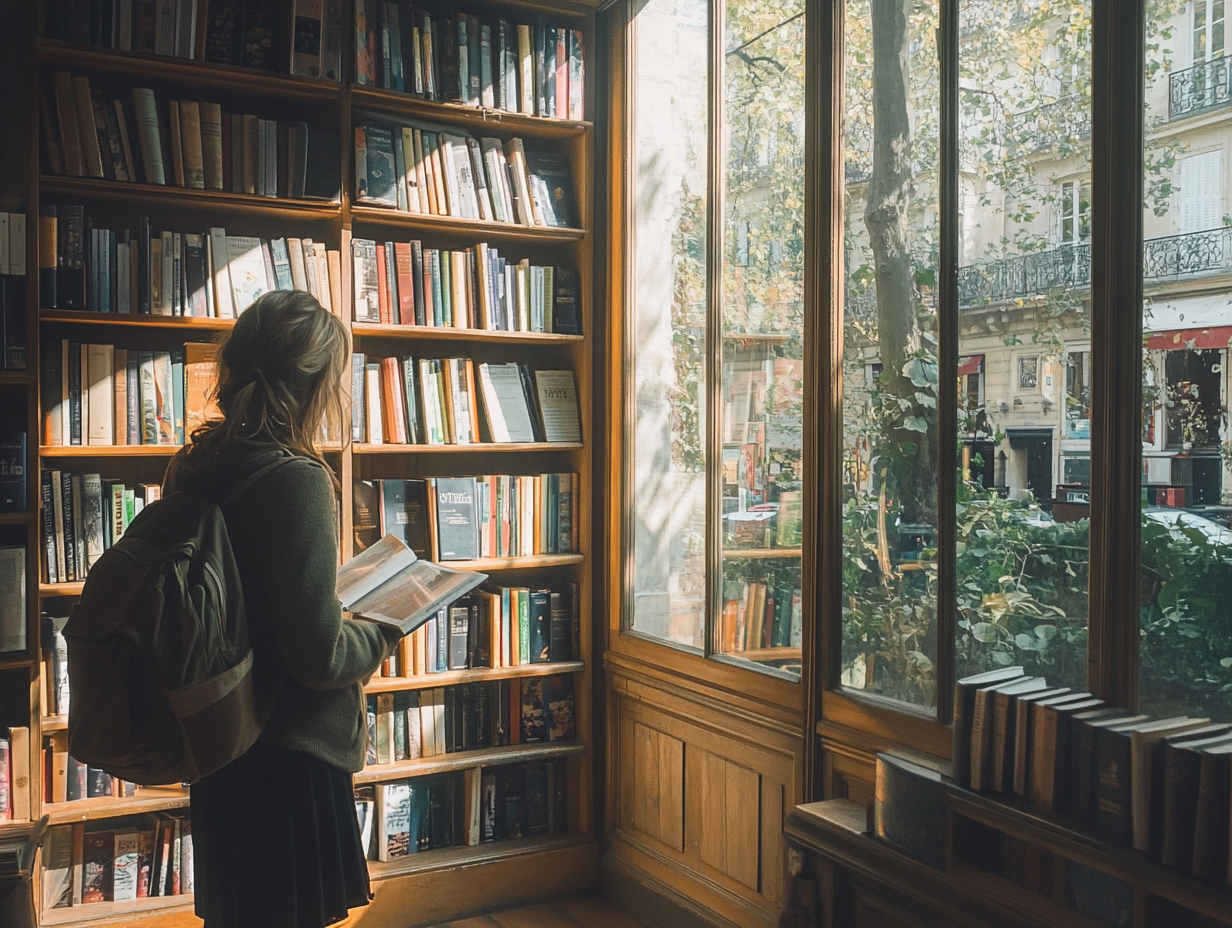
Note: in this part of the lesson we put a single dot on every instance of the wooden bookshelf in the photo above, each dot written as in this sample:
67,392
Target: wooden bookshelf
466,760
476,675
147,799
337,107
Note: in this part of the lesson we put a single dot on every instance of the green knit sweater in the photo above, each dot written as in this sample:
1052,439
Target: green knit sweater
309,663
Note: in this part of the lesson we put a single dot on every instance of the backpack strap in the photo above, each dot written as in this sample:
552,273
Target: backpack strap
252,478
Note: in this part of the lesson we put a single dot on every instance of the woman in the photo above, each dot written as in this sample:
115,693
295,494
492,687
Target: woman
275,838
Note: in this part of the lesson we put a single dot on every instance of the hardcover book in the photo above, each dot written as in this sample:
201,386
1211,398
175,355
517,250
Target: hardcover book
456,524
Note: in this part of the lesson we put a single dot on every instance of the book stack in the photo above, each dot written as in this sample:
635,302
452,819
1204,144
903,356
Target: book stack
157,27
134,858
497,627
184,143
1161,786
404,817
84,515
537,69
206,274
757,614
15,775
438,402
523,800
103,396
469,717
437,170
403,283
13,336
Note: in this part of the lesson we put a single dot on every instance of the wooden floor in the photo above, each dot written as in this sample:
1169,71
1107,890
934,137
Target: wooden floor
578,912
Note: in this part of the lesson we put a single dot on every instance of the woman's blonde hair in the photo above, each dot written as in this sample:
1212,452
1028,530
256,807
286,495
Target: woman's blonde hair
280,372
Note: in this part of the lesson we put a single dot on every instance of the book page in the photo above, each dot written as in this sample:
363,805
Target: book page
368,570
416,594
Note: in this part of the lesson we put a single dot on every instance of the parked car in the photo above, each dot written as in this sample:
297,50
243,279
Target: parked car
1179,519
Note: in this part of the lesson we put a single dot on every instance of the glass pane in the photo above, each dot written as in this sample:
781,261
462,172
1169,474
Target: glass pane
1024,327
762,392
1186,638
891,112
666,433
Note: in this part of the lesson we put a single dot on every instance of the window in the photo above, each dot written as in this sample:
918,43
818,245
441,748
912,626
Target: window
1078,397
715,436
1201,192
1075,209
1208,22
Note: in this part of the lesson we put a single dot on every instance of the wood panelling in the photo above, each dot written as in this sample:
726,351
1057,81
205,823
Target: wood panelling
699,796
658,770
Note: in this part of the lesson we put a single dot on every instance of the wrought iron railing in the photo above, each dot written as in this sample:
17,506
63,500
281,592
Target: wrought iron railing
1205,86
1069,267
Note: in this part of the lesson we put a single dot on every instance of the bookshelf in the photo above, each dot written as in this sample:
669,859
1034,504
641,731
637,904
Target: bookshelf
336,107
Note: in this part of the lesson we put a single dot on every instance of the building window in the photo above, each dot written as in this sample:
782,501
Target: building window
1208,22
1028,372
1075,204
1201,192
1078,396
1192,398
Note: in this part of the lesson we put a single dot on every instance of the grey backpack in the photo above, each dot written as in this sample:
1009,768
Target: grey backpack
159,662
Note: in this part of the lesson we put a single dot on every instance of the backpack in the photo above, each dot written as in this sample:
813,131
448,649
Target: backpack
160,667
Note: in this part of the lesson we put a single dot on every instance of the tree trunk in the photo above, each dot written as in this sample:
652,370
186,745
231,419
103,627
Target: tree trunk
888,201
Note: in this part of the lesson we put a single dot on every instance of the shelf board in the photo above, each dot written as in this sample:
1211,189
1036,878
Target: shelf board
10,830
217,201
83,317
13,663
476,227
478,120
61,589
516,563
488,852
476,675
759,554
17,377
449,333
16,518
464,760
148,799
163,69
783,653
91,911
480,447
107,451
54,723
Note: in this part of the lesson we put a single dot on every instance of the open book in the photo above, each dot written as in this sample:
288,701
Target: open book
388,584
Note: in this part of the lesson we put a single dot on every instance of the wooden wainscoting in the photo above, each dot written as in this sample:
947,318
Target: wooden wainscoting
699,788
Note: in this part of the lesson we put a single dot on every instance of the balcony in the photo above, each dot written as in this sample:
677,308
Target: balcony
1065,123
1200,88
1069,268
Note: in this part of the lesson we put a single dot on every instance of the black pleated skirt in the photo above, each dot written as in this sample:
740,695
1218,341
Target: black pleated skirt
276,842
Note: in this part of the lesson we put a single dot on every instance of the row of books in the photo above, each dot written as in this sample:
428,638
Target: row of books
403,283
184,143
437,402
66,779
103,395
15,775
138,857
410,816
404,817
757,615
495,627
12,244
463,518
410,724
202,274
439,171
159,27
1162,786
83,516
537,69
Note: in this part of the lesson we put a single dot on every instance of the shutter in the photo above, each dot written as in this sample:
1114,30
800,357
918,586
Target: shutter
1201,183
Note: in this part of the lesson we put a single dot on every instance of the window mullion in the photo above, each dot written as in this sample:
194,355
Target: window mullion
713,426
1116,344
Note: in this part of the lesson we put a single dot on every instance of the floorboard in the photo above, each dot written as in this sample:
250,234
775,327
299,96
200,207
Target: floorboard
574,912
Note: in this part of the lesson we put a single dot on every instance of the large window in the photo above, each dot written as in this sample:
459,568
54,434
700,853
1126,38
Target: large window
716,337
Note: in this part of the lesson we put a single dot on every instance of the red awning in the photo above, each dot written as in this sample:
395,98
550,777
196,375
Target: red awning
970,364
1216,336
